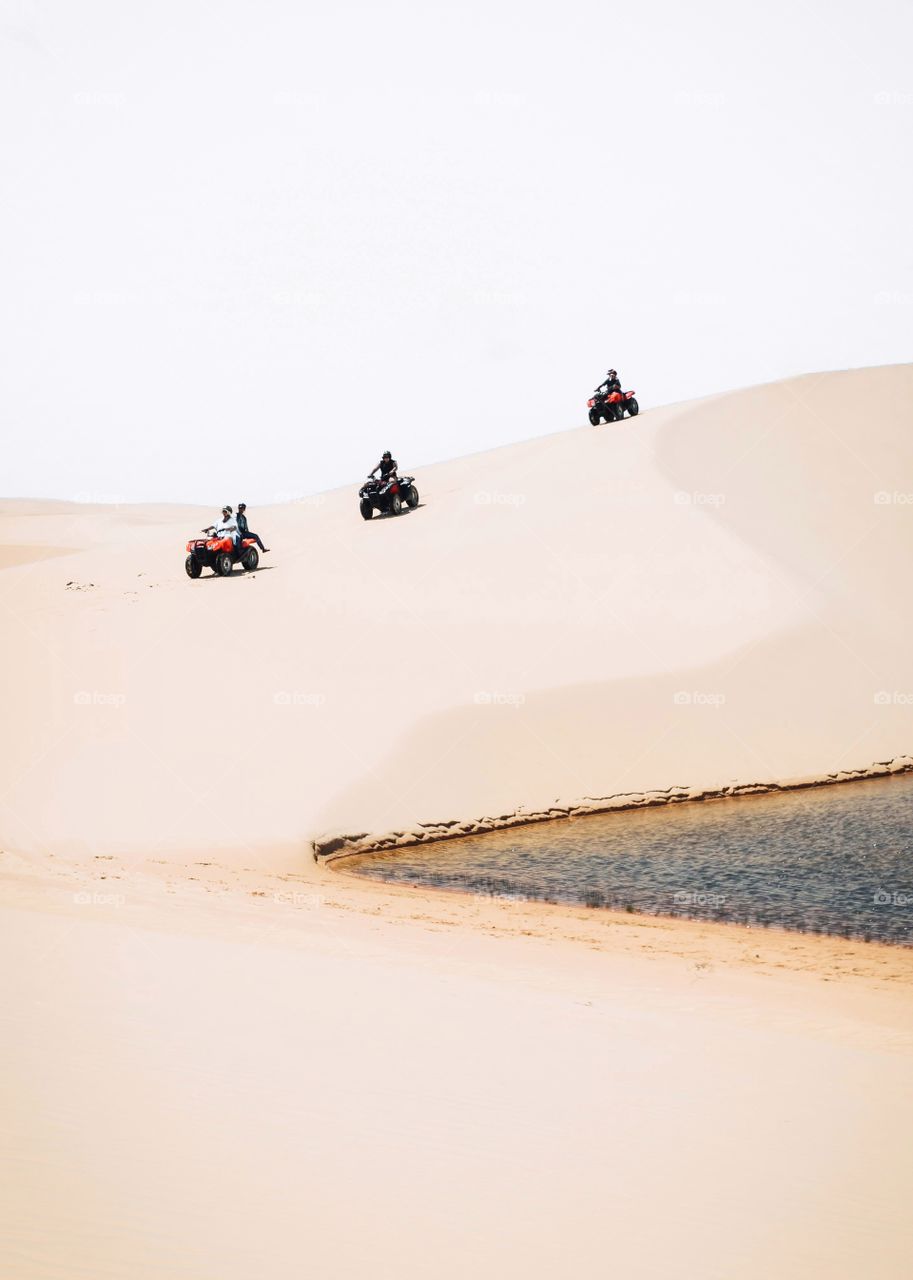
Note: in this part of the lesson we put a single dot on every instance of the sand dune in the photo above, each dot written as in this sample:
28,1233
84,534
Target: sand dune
670,603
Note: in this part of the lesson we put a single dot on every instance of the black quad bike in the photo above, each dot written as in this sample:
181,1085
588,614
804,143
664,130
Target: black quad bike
387,496
220,554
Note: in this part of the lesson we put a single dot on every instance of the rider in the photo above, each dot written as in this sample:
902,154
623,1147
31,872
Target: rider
244,528
611,383
386,467
225,525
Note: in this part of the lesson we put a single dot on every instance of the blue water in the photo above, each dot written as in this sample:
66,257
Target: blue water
835,860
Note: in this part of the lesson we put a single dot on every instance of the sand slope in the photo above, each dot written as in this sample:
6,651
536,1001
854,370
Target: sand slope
517,641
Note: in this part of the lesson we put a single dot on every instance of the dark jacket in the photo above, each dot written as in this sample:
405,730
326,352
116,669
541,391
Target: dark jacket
386,467
243,526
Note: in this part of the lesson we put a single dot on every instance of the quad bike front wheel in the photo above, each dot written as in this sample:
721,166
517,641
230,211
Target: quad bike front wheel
367,511
223,564
633,408
396,505
193,567
250,559
594,418
412,497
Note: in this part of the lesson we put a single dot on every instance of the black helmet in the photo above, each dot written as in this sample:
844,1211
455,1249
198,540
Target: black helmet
242,506
613,373
387,454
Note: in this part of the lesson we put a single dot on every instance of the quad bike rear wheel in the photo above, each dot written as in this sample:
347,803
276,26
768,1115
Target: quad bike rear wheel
633,408
412,497
367,511
223,564
193,567
250,559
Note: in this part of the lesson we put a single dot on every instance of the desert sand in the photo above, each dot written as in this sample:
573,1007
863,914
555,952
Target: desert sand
226,1059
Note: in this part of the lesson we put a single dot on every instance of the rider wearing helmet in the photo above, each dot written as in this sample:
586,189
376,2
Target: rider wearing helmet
611,383
386,467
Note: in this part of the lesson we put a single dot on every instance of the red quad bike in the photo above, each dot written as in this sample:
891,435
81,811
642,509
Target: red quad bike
611,408
220,555
387,496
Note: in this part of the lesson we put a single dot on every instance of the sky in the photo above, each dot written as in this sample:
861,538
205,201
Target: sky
245,247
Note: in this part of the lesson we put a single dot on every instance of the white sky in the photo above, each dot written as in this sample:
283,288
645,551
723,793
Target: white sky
247,246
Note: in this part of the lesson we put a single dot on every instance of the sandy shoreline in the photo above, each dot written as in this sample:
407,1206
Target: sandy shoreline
59,885
211,1066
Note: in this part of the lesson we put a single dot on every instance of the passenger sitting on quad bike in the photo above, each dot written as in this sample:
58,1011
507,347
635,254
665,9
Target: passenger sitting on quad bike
612,383
244,529
386,467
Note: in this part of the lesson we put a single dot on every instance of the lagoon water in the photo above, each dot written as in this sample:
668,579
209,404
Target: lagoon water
833,860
